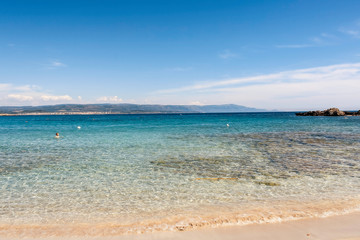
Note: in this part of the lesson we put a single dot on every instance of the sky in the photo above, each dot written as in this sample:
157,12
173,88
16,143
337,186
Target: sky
283,54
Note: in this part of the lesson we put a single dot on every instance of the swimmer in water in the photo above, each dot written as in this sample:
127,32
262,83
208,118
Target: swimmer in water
57,135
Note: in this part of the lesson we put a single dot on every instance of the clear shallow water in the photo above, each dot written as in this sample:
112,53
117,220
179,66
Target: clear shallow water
138,173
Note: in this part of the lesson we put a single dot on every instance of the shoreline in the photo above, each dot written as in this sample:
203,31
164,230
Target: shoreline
81,113
340,227
181,227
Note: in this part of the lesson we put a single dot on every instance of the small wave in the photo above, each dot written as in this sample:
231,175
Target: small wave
274,214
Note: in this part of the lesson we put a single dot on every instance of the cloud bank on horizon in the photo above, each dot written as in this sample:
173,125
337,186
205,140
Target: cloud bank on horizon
320,87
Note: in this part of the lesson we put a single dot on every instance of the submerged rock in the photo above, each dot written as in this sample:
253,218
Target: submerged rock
267,183
329,112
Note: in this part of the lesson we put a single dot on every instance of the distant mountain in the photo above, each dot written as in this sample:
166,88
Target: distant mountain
227,108
123,108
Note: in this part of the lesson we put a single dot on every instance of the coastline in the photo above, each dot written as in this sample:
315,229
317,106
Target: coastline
340,227
79,113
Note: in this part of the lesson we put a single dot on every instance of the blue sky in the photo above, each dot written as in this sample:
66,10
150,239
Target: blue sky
285,55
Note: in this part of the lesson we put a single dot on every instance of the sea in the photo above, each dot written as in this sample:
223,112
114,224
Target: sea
110,175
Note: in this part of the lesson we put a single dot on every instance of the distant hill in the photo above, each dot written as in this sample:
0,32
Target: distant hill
123,108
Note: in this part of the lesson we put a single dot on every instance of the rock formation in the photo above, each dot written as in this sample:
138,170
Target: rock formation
329,112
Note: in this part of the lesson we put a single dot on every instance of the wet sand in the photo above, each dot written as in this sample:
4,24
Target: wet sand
345,227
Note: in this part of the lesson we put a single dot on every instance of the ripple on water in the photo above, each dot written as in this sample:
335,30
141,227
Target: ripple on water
128,177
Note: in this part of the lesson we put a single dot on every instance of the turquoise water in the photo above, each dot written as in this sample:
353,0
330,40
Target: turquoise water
138,173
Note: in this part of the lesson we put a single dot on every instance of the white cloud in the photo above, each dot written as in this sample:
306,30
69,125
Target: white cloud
25,88
209,85
12,95
323,39
55,64
326,39
352,32
334,85
317,40
326,35
55,98
109,99
198,103
226,54
294,46
5,86
10,88
20,97
180,69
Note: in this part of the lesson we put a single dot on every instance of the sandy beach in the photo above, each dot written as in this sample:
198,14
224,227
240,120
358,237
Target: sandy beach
344,227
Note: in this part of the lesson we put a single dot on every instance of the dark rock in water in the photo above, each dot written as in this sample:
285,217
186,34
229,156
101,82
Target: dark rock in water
329,112
333,112
347,113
